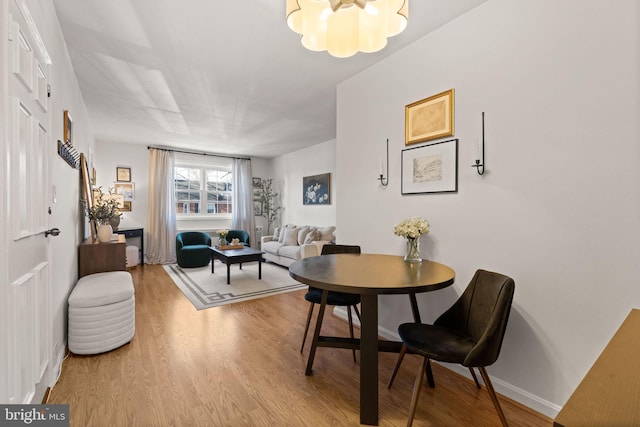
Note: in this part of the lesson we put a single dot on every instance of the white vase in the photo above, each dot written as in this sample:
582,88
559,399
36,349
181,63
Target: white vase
104,233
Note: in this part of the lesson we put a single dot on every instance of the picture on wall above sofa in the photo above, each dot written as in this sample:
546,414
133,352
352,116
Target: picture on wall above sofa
316,189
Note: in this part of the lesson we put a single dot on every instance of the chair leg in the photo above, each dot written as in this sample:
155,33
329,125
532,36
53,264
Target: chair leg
403,351
351,330
306,328
492,394
416,391
475,378
355,307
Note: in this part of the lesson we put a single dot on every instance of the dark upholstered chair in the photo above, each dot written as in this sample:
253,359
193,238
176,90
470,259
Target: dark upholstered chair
192,249
241,235
314,295
469,333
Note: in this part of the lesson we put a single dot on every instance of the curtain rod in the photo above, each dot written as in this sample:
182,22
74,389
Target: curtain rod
202,153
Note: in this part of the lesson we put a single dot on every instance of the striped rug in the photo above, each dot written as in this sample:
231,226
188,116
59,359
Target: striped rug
206,290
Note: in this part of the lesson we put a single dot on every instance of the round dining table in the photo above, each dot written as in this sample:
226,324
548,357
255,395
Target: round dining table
368,275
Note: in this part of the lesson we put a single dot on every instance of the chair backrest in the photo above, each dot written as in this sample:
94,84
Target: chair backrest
241,235
193,238
340,249
482,312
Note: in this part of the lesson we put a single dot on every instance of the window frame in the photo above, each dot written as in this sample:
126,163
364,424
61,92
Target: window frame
204,167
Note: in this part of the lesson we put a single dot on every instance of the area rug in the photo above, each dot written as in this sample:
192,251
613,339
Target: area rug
206,290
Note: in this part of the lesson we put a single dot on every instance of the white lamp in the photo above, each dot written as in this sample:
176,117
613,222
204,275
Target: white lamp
346,27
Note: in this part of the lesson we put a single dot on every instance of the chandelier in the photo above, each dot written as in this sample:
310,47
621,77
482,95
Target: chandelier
346,27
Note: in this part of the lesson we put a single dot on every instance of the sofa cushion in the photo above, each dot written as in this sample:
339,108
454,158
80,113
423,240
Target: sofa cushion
276,234
271,247
292,252
302,234
290,237
326,233
311,236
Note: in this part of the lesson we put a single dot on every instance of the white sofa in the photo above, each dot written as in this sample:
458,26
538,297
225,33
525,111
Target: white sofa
292,242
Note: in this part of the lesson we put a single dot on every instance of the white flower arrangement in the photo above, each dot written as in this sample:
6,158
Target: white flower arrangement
222,233
411,228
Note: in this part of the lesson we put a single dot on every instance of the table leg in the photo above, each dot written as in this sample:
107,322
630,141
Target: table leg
259,269
240,267
416,318
316,333
369,360
212,259
228,273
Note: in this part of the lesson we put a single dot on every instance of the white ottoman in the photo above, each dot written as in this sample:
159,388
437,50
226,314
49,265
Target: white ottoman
133,255
101,312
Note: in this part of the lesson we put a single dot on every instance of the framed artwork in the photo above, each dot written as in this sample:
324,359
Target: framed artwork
316,189
257,194
68,127
126,207
257,208
257,182
123,174
125,189
88,192
431,168
430,118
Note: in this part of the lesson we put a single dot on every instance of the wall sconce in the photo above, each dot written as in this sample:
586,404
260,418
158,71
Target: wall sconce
384,180
480,160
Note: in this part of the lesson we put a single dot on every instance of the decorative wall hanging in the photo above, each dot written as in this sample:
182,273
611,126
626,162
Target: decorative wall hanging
68,127
431,168
126,189
430,118
316,189
123,174
126,207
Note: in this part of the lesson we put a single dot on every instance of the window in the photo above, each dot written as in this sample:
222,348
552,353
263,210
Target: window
203,190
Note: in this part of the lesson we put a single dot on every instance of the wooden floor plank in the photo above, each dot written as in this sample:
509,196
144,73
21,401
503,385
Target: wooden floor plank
240,365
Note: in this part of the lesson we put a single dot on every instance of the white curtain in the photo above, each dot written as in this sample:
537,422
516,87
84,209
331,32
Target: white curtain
162,208
243,217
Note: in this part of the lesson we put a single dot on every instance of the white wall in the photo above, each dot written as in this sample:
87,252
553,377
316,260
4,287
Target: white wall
558,206
287,172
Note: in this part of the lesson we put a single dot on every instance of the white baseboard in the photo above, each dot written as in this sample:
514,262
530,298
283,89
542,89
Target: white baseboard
519,395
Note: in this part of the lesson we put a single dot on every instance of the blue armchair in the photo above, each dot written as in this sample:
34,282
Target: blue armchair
192,249
241,235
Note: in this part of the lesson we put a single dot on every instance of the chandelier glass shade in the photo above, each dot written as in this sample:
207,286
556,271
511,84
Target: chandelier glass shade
346,27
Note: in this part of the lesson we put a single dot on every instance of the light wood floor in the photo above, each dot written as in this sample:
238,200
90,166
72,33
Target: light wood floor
240,365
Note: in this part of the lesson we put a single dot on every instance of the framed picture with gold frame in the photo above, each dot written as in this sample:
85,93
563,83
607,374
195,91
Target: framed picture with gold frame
430,118
126,207
68,126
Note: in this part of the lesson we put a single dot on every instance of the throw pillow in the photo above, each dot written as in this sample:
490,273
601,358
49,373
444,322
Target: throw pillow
276,233
290,237
326,233
282,233
312,236
302,234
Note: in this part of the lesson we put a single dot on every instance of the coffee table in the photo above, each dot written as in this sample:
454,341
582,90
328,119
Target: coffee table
236,256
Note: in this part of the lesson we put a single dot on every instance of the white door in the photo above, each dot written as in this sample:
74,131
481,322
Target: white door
29,146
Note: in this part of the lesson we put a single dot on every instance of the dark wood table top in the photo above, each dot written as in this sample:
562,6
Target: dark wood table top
371,274
236,252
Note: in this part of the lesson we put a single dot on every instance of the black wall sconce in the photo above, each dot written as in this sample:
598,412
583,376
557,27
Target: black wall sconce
480,160
384,180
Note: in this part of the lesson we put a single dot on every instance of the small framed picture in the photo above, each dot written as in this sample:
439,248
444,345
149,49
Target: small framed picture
126,207
257,208
68,126
257,182
125,189
123,174
431,168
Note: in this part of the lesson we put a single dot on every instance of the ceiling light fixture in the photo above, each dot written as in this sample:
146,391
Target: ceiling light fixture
344,30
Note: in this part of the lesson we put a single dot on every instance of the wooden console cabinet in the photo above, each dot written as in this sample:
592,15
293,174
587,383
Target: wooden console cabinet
101,257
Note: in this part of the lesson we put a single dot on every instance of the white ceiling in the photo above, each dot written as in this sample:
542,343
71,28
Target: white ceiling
227,77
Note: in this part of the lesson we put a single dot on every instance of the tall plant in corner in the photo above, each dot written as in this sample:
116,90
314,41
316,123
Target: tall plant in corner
268,198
